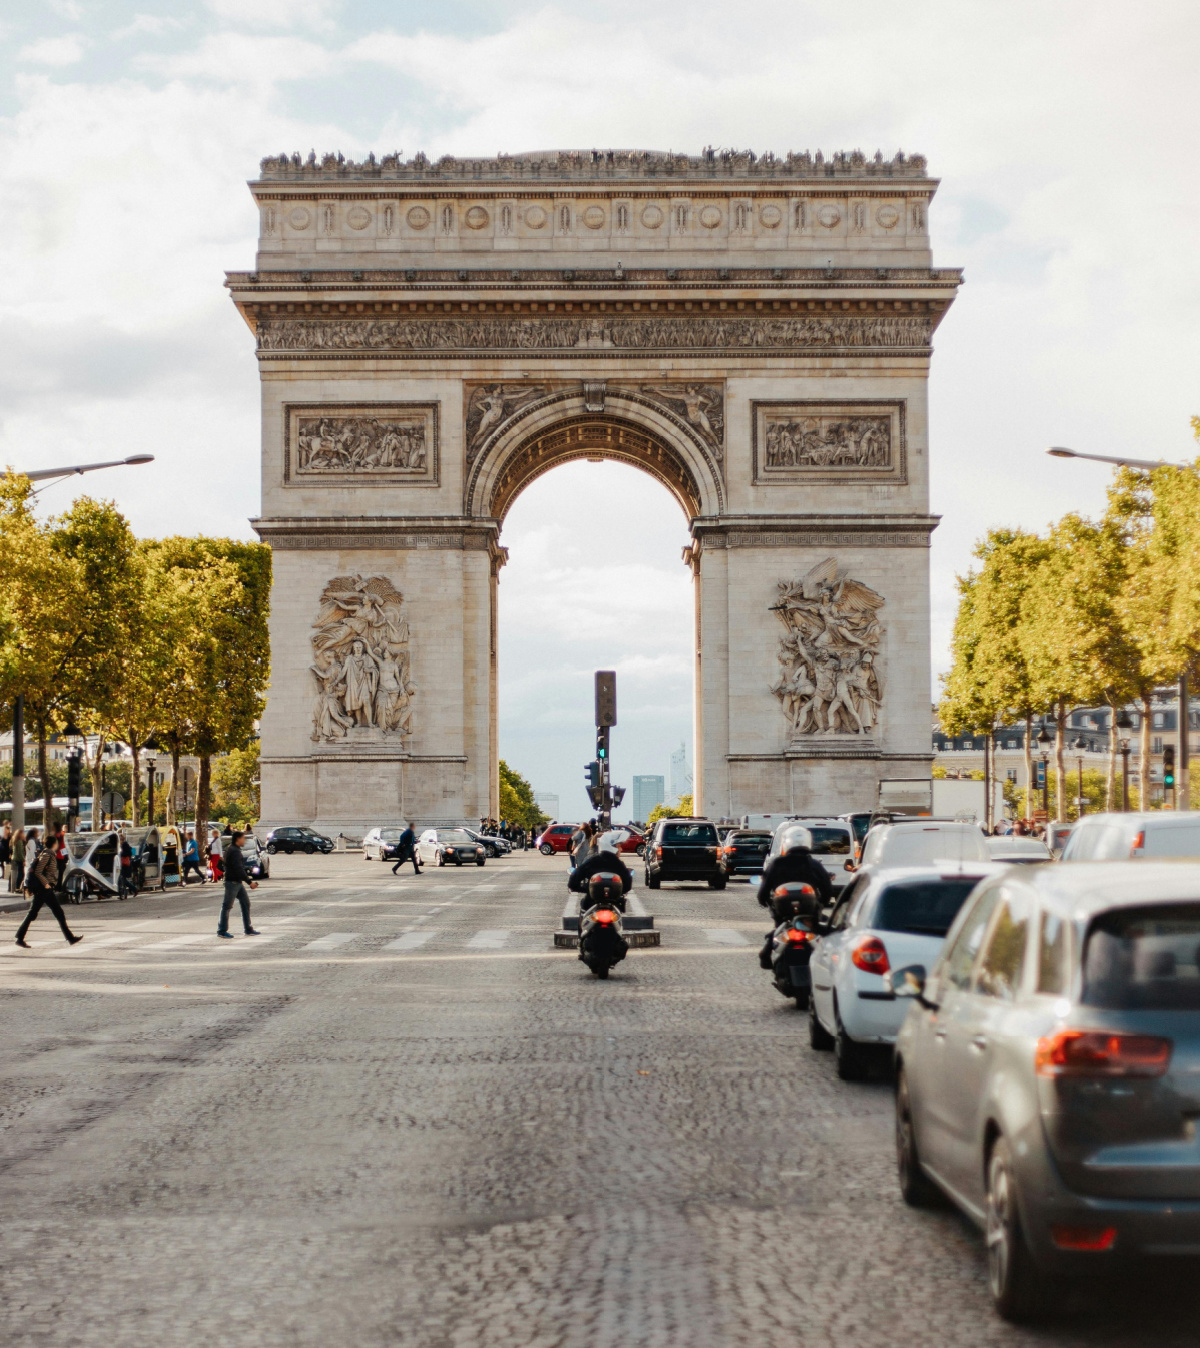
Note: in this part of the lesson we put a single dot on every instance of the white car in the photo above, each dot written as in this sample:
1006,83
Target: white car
379,844
1124,837
450,847
914,843
1017,850
886,919
832,844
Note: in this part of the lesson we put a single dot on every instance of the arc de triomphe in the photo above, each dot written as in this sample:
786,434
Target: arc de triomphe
754,332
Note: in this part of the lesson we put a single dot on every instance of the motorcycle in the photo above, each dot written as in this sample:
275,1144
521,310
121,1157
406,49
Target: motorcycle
602,940
787,951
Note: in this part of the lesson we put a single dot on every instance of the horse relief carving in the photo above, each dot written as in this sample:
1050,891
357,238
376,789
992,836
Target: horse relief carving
361,665
829,682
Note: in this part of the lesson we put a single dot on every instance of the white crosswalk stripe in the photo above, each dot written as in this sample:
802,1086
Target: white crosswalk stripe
175,942
99,943
332,941
529,886
725,936
411,940
488,940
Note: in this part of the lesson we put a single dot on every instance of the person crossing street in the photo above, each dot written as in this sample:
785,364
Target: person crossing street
236,879
41,880
406,850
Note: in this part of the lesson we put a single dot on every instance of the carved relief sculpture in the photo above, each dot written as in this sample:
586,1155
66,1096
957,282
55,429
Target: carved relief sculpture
829,442
491,405
361,666
829,682
358,445
701,405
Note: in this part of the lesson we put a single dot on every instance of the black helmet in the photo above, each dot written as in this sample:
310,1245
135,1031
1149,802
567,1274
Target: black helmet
604,887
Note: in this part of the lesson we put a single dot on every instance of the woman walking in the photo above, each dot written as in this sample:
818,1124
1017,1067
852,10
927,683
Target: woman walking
5,847
43,876
16,856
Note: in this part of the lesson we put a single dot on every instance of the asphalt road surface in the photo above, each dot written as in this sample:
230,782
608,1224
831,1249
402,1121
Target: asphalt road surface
400,1116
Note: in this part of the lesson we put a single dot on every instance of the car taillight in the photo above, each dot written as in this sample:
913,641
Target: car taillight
658,853
1138,843
1093,1053
1092,1238
797,937
605,915
871,956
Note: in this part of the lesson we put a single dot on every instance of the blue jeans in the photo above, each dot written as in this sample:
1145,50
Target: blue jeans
234,889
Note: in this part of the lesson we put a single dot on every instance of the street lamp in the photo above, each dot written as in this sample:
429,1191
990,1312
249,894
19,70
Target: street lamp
151,763
44,474
1124,723
1043,741
1080,745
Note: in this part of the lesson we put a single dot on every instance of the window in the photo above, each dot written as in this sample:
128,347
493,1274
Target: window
1156,745
960,959
1000,969
1010,744
1011,775
689,835
830,841
1144,959
921,907
1052,956
1158,720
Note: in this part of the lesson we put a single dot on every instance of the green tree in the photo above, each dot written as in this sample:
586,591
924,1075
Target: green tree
517,804
682,809
235,778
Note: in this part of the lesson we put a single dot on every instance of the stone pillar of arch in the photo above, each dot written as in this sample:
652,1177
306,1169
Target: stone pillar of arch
754,333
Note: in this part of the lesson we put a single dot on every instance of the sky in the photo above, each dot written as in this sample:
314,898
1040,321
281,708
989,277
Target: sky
1063,132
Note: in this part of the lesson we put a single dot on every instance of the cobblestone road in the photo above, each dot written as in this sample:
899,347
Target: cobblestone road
400,1117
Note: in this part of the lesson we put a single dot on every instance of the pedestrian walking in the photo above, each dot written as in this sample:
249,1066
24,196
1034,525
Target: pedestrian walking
191,860
5,847
125,882
43,876
581,845
406,850
216,859
236,879
16,857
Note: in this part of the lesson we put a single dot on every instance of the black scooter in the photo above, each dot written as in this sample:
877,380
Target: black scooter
787,951
602,940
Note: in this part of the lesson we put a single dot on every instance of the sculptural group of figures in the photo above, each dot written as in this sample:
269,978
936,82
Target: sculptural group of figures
358,444
361,666
822,442
829,683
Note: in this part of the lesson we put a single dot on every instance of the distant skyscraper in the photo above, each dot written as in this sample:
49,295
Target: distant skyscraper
547,802
681,774
647,793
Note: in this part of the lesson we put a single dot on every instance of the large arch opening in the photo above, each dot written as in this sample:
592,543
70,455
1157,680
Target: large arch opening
594,579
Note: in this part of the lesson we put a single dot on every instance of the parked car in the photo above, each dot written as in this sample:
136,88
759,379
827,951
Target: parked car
380,844
1048,1072
886,918
450,846
1112,837
744,852
556,838
684,849
492,843
258,863
297,838
1017,850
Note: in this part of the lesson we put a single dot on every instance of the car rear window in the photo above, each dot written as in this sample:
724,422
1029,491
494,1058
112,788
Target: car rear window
453,835
749,839
689,835
830,841
922,907
921,846
1144,959
1172,840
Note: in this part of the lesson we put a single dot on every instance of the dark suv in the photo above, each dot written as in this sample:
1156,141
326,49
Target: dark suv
298,839
684,849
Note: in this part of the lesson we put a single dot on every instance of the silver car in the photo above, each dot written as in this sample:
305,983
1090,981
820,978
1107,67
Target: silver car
1048,1071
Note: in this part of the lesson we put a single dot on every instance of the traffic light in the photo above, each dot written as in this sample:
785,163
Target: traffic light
593,775
618,794
74,777
601,745
606,697
1169,766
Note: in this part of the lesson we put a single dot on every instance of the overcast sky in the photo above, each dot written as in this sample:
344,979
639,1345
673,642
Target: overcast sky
1065,136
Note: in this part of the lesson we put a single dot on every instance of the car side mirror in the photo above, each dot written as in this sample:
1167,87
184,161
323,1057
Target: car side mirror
908,982
848,865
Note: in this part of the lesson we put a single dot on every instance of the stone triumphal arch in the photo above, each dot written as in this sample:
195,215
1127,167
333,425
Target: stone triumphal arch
754,332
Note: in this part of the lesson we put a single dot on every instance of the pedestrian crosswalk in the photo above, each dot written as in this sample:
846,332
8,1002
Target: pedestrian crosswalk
411,940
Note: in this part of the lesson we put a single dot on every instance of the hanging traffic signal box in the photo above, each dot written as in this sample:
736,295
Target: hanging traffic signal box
1169,766
606,697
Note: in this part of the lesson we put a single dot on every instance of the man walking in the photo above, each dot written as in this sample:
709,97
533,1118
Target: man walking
406,850
191,861
42,877
236,880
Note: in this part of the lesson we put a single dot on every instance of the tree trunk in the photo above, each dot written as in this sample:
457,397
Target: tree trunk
1110,786
988,769
1144,754
48,815
171,816
1029,769
135,782
1060,776
202,803
96,773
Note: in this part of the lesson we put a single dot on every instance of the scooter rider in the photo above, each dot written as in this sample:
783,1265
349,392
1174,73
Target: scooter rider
606,859
794,865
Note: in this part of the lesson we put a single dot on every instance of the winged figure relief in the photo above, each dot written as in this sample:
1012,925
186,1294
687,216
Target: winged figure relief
701,405
492,404
829,681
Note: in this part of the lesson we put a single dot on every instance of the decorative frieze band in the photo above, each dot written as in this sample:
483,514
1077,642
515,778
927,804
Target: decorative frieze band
325,534
803,538
638,332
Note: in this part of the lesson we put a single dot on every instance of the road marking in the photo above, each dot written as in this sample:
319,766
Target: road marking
529,886
411,940
725,936
192,938
332,941
249,943
488,940
100,942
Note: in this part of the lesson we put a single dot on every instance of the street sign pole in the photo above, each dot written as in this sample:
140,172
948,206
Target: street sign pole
1183,790
18,760
606,718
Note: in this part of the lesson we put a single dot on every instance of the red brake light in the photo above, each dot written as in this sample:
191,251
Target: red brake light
1138,843
605,915
1090,1053
871,956
798,937
1084,1237
658,853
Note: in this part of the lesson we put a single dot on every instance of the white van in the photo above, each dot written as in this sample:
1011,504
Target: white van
1119,837
921,844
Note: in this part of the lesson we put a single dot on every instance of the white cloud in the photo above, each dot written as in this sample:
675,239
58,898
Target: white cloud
276,14
154,25
54,51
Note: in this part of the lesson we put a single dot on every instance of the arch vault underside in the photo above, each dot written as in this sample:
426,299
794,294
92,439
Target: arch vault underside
438,352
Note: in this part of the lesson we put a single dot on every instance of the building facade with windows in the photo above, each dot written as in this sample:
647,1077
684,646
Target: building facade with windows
647,793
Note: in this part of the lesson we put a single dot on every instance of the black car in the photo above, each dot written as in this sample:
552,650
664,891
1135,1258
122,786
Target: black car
684,849
297,839
744,851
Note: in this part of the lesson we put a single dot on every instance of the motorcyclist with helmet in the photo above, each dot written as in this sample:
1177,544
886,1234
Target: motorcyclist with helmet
604,860
795,864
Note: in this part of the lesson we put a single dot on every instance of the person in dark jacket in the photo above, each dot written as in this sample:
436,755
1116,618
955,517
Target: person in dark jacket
406,850
41,880
236,879
794,865
601,860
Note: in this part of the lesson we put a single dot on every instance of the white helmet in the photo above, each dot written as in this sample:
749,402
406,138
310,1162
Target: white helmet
798,836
